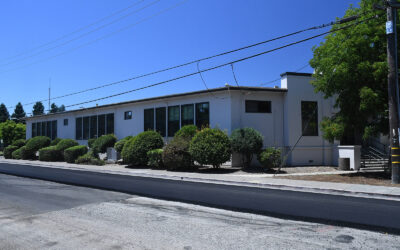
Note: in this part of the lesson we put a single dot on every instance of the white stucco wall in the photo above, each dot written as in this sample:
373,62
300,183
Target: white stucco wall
310,150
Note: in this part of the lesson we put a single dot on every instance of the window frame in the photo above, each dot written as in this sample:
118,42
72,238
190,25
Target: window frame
191,121
197,115
305,127
173,125
249,110
128,115
161,126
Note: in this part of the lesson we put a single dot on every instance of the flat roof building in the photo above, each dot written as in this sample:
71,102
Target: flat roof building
282,115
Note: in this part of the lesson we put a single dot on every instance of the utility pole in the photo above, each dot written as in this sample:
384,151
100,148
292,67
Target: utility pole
49,93
393,94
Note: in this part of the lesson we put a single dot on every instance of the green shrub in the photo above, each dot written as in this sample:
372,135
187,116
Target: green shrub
247,142
155,158
51,153
55,142
72,153
89,159
19,143
9,150
270,157
188,132
135,149
33,145
176,154
210,147
66,143
101,144
119,145
90,142
17,153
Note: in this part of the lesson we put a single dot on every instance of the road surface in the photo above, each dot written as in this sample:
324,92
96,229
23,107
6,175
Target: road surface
37,214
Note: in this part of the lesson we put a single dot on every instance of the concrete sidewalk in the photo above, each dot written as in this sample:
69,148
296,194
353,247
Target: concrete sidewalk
249,180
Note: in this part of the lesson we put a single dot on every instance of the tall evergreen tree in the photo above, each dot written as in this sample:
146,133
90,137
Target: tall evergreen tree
54,108
19,113
4,115
38,109
61,108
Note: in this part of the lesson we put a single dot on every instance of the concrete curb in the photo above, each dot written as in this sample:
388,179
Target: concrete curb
37,175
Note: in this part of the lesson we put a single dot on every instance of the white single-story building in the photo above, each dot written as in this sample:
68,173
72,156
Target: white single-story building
282,114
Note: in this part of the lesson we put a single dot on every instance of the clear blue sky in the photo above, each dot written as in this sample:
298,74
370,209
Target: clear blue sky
192,30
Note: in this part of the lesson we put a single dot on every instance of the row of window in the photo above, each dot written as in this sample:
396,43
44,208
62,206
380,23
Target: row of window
177,116
48,128
89,127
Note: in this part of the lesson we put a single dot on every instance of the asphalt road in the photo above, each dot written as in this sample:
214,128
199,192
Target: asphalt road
375,214
37,214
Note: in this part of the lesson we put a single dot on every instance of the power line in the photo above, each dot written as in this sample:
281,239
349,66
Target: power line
73,32
194,61
277,79
221,65
82,35
100,38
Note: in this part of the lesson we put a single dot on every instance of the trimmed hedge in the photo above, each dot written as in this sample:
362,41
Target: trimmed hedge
270,157
33,145
155,158
17,153
247,142
210,147
51,153
90,142
119,145
135,150
55,142
19,143
89,159
72,153
9,150
66,143
101,144
176,154
187,132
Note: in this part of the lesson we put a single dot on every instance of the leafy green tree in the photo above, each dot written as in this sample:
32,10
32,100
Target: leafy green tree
38,109
350,65
11,131
53,108
19,113
4,115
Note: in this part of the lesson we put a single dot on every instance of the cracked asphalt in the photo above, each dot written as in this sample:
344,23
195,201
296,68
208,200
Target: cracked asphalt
37,214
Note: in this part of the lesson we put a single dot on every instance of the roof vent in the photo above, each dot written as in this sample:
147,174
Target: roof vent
276,87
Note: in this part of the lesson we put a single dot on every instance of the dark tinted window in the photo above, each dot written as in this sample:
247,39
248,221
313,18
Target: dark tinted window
33,129
78,128
38,129
148,119
128,115
65,122
309,118
202,115
86,127
258,106
48,129
43,128
53,130
187,112
93,126
161,121
173,120
101,125
110,124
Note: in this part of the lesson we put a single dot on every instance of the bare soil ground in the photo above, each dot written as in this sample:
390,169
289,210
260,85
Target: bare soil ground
368,178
